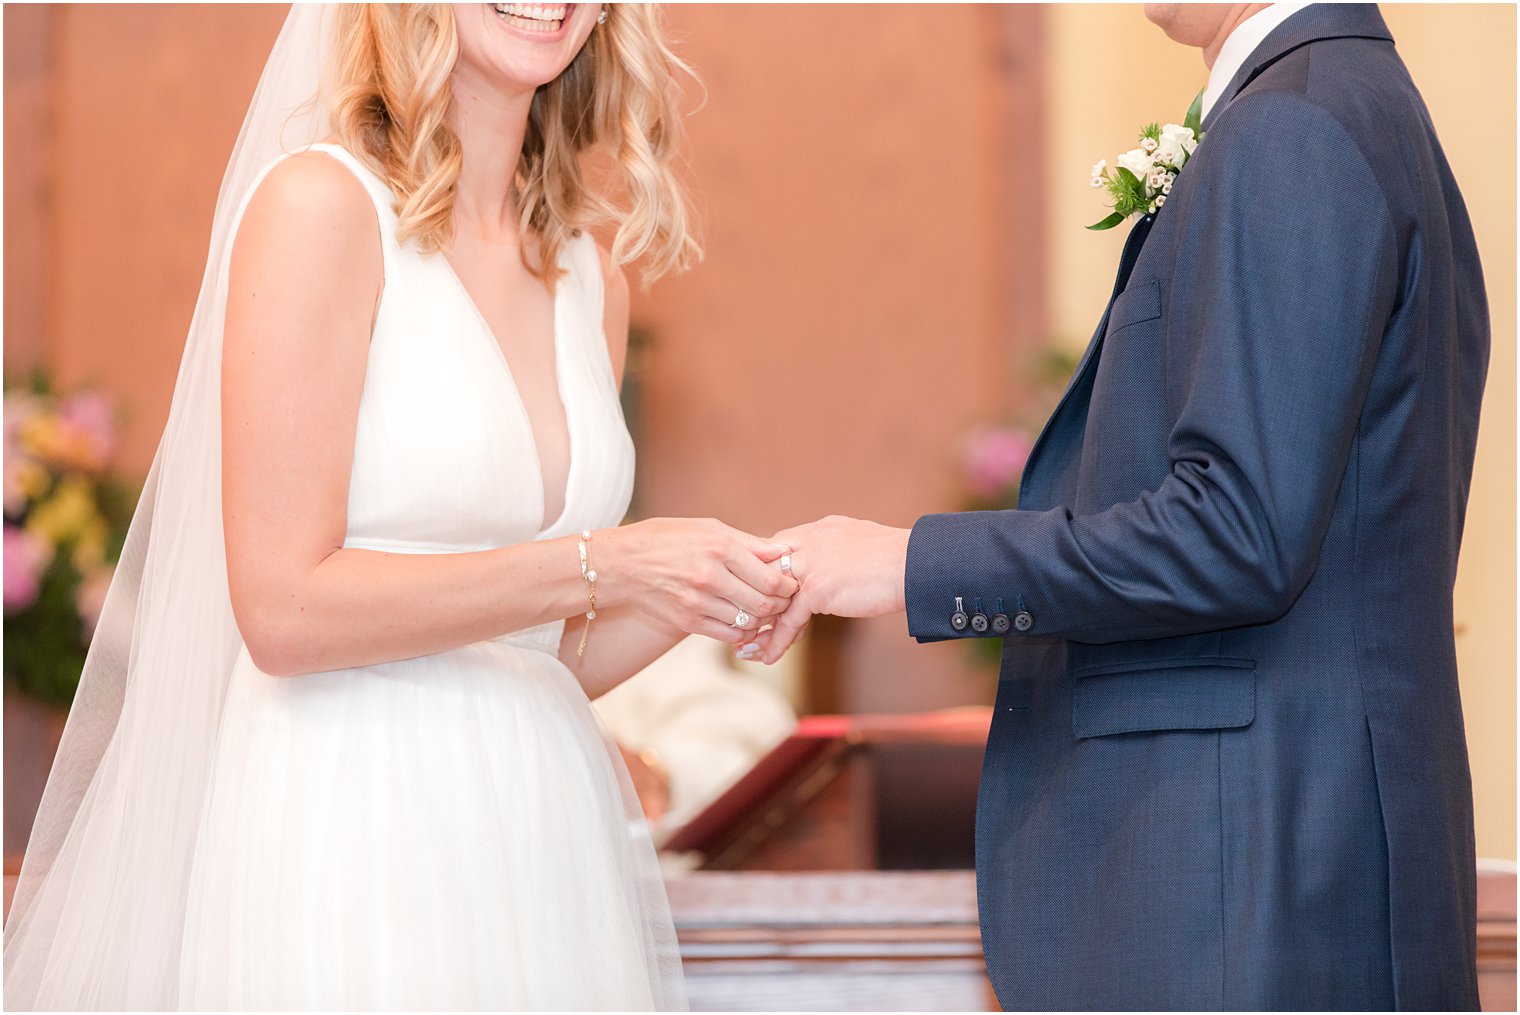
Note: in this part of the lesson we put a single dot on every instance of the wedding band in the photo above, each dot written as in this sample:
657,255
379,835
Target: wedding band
742,619
786,564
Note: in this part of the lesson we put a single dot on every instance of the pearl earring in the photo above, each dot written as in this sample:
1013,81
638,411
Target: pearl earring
601,17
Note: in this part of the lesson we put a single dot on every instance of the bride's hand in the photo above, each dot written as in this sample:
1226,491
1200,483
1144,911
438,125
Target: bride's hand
696,575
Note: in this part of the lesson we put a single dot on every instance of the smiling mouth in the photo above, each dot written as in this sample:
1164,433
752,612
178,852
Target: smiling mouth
544,18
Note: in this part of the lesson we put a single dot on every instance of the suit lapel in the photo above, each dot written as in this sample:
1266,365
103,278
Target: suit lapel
1073,396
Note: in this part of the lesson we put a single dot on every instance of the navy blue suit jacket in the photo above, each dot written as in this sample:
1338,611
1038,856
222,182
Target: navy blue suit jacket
1227,766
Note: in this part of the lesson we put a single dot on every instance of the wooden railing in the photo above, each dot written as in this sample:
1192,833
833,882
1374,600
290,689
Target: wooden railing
895,940
835,941
1496,938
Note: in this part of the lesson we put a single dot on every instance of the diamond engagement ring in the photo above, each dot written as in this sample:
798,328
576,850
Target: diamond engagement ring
742,619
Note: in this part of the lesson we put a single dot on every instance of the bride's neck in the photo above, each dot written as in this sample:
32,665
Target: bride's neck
490,125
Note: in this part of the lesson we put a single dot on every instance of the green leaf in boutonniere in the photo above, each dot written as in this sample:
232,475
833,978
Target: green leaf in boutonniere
1109,222
1130,188
1127,191
1194,119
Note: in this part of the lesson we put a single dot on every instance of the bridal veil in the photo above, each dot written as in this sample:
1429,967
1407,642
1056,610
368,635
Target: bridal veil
97,920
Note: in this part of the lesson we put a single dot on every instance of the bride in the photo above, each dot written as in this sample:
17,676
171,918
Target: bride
332,746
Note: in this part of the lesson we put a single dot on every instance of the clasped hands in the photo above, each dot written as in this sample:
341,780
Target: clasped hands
845,567
704,577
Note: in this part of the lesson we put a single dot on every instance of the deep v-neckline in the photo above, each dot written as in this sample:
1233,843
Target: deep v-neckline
489,335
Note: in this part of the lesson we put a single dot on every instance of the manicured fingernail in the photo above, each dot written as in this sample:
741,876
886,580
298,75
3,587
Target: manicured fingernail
748,651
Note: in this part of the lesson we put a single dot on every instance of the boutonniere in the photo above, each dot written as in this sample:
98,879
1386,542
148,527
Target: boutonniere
1141,182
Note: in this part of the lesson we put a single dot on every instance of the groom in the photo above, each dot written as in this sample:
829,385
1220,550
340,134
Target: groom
1227,766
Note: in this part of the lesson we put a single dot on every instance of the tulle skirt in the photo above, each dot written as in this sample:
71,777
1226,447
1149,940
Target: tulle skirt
449,832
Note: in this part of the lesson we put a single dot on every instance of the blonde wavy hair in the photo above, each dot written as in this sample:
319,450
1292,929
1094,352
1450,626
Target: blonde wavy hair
391,104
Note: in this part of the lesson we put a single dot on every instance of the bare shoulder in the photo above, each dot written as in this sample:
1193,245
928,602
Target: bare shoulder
310,203
615,307
307,262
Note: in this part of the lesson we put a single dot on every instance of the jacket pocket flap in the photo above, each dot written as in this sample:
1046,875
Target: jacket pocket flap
1164,694
1138,302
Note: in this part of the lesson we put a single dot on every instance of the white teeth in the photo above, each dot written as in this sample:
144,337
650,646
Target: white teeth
532,17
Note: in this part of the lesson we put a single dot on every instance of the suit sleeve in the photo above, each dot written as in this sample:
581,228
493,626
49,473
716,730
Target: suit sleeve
1280,298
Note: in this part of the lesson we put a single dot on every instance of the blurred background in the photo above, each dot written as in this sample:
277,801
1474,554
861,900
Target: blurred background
897,285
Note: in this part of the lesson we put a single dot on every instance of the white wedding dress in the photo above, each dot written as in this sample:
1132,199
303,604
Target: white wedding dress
452,831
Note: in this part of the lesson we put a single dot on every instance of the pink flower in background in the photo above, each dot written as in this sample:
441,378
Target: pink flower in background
995,457
25,558
90,597
90,421
65,512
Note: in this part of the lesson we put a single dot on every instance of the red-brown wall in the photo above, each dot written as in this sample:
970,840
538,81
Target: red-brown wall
868,291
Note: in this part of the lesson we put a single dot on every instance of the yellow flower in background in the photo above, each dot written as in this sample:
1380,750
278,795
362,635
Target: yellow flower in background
67,514
78,432
64,513
25,480
41,434
90,544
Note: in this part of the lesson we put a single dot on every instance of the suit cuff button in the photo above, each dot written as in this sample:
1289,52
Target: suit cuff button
1023,621
1001,624
959,620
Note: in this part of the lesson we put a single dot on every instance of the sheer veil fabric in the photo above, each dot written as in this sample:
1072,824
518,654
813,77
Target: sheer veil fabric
99,906
100,912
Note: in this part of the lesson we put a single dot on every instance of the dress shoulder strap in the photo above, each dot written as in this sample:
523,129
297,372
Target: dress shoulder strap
581,298
583,274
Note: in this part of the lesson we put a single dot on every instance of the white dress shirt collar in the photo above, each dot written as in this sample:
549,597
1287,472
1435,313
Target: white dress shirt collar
1242,42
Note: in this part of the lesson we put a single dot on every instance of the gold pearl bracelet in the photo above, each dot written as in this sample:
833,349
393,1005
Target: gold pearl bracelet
588,576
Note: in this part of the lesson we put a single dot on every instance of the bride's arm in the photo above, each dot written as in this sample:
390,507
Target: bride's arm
303,288
621,642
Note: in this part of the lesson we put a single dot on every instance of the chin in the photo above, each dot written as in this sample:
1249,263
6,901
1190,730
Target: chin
1191,24
524,44
1165,17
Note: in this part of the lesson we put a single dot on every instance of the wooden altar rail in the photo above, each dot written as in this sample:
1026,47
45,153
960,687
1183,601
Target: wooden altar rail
834,941
1496,939
894,940
904,941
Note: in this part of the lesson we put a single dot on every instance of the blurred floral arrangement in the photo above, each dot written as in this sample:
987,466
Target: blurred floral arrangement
66,518
992,460
993,456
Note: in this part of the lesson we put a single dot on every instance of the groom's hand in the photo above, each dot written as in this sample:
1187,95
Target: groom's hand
845,567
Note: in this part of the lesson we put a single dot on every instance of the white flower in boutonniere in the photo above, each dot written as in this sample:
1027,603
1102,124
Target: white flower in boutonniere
1143,179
